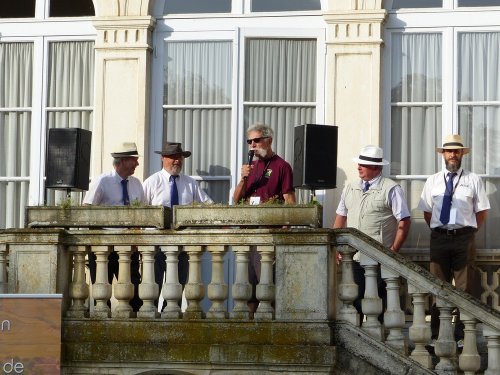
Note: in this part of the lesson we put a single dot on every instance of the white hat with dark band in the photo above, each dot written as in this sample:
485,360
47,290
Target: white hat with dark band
453,142
371,155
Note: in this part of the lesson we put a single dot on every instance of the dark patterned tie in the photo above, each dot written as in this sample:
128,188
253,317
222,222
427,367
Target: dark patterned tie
126,200
366,186
174,194
448,195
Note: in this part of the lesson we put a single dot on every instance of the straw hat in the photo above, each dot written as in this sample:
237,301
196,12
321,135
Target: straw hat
453,142
125,150
371,155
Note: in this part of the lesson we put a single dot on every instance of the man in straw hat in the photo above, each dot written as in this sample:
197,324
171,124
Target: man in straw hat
455,205
169,187
118,188
376,206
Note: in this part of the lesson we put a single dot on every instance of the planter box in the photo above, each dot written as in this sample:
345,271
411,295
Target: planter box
98,216
247,215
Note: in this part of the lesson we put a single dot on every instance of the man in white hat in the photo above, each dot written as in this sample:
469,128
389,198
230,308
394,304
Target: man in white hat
118,188
455,205
169,187
376,206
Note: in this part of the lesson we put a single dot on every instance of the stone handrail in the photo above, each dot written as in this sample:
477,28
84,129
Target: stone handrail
420,284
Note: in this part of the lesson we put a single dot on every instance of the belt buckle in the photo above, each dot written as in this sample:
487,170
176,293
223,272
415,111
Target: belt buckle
451,232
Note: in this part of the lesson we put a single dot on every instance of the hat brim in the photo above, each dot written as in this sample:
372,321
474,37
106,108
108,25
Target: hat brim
125,155
441,149
186,154
367,162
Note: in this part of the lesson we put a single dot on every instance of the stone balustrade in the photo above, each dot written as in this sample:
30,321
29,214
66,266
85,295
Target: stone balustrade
479,319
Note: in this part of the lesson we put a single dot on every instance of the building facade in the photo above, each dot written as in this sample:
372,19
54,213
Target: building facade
401,74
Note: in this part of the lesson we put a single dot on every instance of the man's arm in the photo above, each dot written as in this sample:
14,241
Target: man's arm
481,217
427,217
401,234
340,221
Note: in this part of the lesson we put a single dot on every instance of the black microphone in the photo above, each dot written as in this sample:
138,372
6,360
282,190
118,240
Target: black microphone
250,156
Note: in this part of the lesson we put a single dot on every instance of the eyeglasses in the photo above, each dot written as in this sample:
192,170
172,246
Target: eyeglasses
256,140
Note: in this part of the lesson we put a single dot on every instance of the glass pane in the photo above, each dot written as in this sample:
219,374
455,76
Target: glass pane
280,5
396,4
478,3
73,8
416,68
197,6
203,124
478,73
190,80
17,8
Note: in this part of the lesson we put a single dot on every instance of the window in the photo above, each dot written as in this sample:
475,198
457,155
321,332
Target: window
16,77
281,6
17,9
478,3
197,6
444,79
73,8
397,4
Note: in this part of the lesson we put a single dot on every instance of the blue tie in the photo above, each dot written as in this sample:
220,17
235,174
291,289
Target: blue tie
174,194
126,199
448,195
366,187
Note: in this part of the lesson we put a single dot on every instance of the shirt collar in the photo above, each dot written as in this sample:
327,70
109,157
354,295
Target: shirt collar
373,182
459,172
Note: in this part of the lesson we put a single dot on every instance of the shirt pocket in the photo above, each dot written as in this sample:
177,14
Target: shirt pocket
463,197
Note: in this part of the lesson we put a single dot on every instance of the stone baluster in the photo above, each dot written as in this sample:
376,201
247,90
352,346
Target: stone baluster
469,361
123,289
445,347
195,290
171,289
394,317
265,289
217,289
148,289
242,291
78,288
101,290
493,341
371,304
348,289
420,330
3,269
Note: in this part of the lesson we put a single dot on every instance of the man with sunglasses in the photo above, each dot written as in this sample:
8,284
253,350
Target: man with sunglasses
376,206
268,176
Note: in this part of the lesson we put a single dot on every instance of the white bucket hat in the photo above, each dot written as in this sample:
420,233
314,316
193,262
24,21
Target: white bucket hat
371,155
453,142
125,150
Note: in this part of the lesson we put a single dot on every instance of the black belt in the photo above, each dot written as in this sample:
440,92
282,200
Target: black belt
454,232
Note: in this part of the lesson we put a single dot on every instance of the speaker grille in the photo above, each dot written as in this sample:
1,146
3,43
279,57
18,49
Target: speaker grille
68,159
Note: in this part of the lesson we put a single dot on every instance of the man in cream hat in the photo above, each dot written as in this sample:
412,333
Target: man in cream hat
118,188
169,187
376,206
455,205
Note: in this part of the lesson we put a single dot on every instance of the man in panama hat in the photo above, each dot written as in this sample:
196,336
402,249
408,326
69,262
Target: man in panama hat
455,205
169,187
376,206
118,188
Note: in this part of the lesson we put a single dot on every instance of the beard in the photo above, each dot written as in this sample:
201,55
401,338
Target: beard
261,153
453,165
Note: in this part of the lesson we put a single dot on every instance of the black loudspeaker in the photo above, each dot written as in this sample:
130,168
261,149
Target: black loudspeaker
68,159
315,157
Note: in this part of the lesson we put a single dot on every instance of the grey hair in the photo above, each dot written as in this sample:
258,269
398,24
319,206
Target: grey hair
116,161
265,130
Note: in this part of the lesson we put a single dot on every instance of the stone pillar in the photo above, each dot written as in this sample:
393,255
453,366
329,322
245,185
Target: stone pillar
78,288
446,347
353,95
493,339
420,330
171,289
242,291
122,79
148,290
195,290
347,290
394,317
469,361
217,290
3,268
371,304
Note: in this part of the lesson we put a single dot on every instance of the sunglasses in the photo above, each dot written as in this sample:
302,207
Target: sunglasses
256,140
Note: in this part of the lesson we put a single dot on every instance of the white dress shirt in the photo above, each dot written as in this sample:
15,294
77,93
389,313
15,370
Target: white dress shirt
106,190
469,197
157,190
